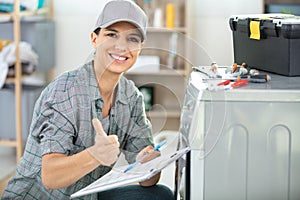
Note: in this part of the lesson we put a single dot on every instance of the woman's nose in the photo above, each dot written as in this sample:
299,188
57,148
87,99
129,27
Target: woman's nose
121,44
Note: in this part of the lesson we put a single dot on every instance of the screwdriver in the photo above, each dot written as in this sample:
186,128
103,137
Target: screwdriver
259,78
239,83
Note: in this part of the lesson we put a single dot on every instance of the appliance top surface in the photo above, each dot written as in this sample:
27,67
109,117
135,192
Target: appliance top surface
279,88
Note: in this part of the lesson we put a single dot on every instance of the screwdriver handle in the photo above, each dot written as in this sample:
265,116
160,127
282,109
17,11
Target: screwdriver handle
239,83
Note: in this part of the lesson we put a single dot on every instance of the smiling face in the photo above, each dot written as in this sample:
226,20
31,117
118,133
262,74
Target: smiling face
117,47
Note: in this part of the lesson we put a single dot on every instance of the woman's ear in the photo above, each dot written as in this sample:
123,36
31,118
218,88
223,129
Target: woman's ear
94,39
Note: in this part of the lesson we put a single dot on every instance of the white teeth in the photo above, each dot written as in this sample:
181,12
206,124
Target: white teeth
118,57
121,58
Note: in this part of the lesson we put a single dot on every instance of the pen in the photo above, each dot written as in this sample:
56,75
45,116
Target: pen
156,148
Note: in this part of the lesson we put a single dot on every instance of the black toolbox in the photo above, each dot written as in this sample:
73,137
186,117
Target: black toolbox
268,42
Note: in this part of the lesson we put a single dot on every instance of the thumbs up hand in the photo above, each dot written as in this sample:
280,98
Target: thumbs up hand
106,148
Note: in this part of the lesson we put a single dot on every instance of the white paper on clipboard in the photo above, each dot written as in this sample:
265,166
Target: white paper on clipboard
116,177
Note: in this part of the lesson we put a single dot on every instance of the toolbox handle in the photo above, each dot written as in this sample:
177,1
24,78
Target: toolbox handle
266,27
286,26
290,31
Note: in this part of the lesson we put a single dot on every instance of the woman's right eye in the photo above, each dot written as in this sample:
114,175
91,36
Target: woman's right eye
112,35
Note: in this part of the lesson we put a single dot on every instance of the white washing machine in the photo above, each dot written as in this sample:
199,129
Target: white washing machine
245,141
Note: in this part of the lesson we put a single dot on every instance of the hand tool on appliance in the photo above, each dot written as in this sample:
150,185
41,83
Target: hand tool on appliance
262,78
236,84
239,83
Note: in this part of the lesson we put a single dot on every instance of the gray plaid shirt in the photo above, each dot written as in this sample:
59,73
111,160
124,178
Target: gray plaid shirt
62,123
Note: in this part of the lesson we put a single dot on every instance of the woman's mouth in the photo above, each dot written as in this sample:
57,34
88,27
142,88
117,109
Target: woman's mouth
119,57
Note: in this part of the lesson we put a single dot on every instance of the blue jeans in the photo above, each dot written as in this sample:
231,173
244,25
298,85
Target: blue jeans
137,192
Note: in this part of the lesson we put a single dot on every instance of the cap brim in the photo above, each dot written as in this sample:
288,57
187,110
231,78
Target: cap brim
107,24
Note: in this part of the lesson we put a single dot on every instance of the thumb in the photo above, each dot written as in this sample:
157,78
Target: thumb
98,127
114,139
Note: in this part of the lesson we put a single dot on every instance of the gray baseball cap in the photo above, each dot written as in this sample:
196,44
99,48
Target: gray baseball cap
123,10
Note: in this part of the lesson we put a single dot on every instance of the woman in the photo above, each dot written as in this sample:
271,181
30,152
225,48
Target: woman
85,117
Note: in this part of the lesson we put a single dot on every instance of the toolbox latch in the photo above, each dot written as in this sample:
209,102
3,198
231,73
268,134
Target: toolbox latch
261,29
255,30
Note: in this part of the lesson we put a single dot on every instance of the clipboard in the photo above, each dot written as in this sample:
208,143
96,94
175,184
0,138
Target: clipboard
141,172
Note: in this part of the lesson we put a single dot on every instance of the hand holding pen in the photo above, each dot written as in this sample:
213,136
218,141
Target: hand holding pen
147,154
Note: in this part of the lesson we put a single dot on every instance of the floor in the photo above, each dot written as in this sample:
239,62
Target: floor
8,164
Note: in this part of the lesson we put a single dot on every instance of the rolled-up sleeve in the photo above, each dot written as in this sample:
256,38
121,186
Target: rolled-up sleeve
52,128
57,134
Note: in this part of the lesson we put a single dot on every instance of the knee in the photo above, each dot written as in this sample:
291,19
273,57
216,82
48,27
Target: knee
162,192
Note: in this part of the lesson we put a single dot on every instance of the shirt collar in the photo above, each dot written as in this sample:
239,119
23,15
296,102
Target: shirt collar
92,81
122,92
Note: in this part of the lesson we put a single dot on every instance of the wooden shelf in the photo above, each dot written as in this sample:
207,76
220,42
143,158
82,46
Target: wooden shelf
168,84
11,143
16,18
282,1
166,30
164,72
11,80
169,113
9,16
